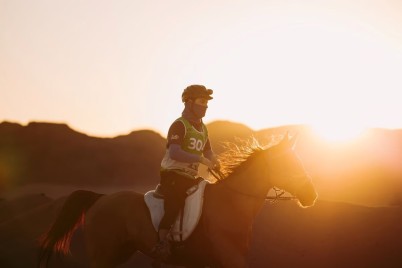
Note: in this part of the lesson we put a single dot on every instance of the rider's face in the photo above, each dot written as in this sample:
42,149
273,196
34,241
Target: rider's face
201,102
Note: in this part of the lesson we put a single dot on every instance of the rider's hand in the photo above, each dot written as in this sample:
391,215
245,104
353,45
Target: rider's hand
207,162
215,163
211,164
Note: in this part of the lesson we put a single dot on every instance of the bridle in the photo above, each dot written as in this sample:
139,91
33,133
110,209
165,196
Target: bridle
272,199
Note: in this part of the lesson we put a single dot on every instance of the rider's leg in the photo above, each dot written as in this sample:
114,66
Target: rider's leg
174,188
172,205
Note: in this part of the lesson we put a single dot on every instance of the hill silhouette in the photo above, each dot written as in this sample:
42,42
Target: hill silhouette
365,171
54,153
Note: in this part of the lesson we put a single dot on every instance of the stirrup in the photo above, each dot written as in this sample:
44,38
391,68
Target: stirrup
162,250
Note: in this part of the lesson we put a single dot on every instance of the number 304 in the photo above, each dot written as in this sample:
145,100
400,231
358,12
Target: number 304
195,144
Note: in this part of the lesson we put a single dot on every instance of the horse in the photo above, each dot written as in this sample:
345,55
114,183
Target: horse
119,224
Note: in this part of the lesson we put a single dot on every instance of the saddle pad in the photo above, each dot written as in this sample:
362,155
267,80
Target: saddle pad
192,212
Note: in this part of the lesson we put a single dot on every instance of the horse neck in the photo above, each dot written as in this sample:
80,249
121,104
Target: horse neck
239,197
251,181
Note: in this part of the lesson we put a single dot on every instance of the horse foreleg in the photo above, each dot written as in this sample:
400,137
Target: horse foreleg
106,253
156,264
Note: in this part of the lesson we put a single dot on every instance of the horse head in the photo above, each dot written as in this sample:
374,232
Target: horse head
287,172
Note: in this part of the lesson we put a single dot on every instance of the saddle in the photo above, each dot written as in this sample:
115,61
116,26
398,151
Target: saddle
187,220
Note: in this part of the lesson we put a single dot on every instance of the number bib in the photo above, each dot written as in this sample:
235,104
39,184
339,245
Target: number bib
194,140
194,143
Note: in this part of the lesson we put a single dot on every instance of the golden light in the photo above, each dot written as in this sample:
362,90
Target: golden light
343,132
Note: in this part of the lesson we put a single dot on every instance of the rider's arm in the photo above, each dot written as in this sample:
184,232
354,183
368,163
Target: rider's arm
178,154
211,156
208,153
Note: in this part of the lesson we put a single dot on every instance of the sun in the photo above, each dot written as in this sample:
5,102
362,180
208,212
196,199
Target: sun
338,133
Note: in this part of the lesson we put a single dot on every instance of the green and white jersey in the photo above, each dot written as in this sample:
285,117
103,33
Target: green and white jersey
193,142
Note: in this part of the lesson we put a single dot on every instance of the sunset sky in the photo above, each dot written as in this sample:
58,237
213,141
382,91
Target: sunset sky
110,67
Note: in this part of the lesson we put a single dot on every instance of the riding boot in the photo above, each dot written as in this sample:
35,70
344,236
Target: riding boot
162,250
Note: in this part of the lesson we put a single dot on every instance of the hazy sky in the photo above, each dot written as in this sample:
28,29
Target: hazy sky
110,67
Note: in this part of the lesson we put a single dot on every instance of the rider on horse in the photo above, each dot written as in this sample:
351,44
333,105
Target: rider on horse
187,146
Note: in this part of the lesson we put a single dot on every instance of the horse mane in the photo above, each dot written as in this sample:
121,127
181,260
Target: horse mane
236,155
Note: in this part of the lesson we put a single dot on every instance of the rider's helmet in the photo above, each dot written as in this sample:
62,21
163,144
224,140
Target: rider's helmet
196,91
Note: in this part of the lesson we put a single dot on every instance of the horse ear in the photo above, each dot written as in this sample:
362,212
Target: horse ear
293,141
285,142
287,136
288,141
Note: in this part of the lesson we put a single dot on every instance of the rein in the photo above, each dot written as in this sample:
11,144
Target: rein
278,196
273,199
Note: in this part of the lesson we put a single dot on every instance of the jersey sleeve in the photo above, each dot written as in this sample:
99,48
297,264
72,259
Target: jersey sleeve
178,154
176,133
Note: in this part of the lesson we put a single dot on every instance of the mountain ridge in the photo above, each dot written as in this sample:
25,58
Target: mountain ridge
367,171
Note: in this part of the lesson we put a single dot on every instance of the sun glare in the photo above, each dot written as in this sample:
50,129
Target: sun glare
338,133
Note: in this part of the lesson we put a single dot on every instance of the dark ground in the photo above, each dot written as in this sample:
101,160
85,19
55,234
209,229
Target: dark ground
329,234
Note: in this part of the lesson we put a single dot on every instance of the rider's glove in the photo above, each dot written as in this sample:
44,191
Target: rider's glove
212,164
215,163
